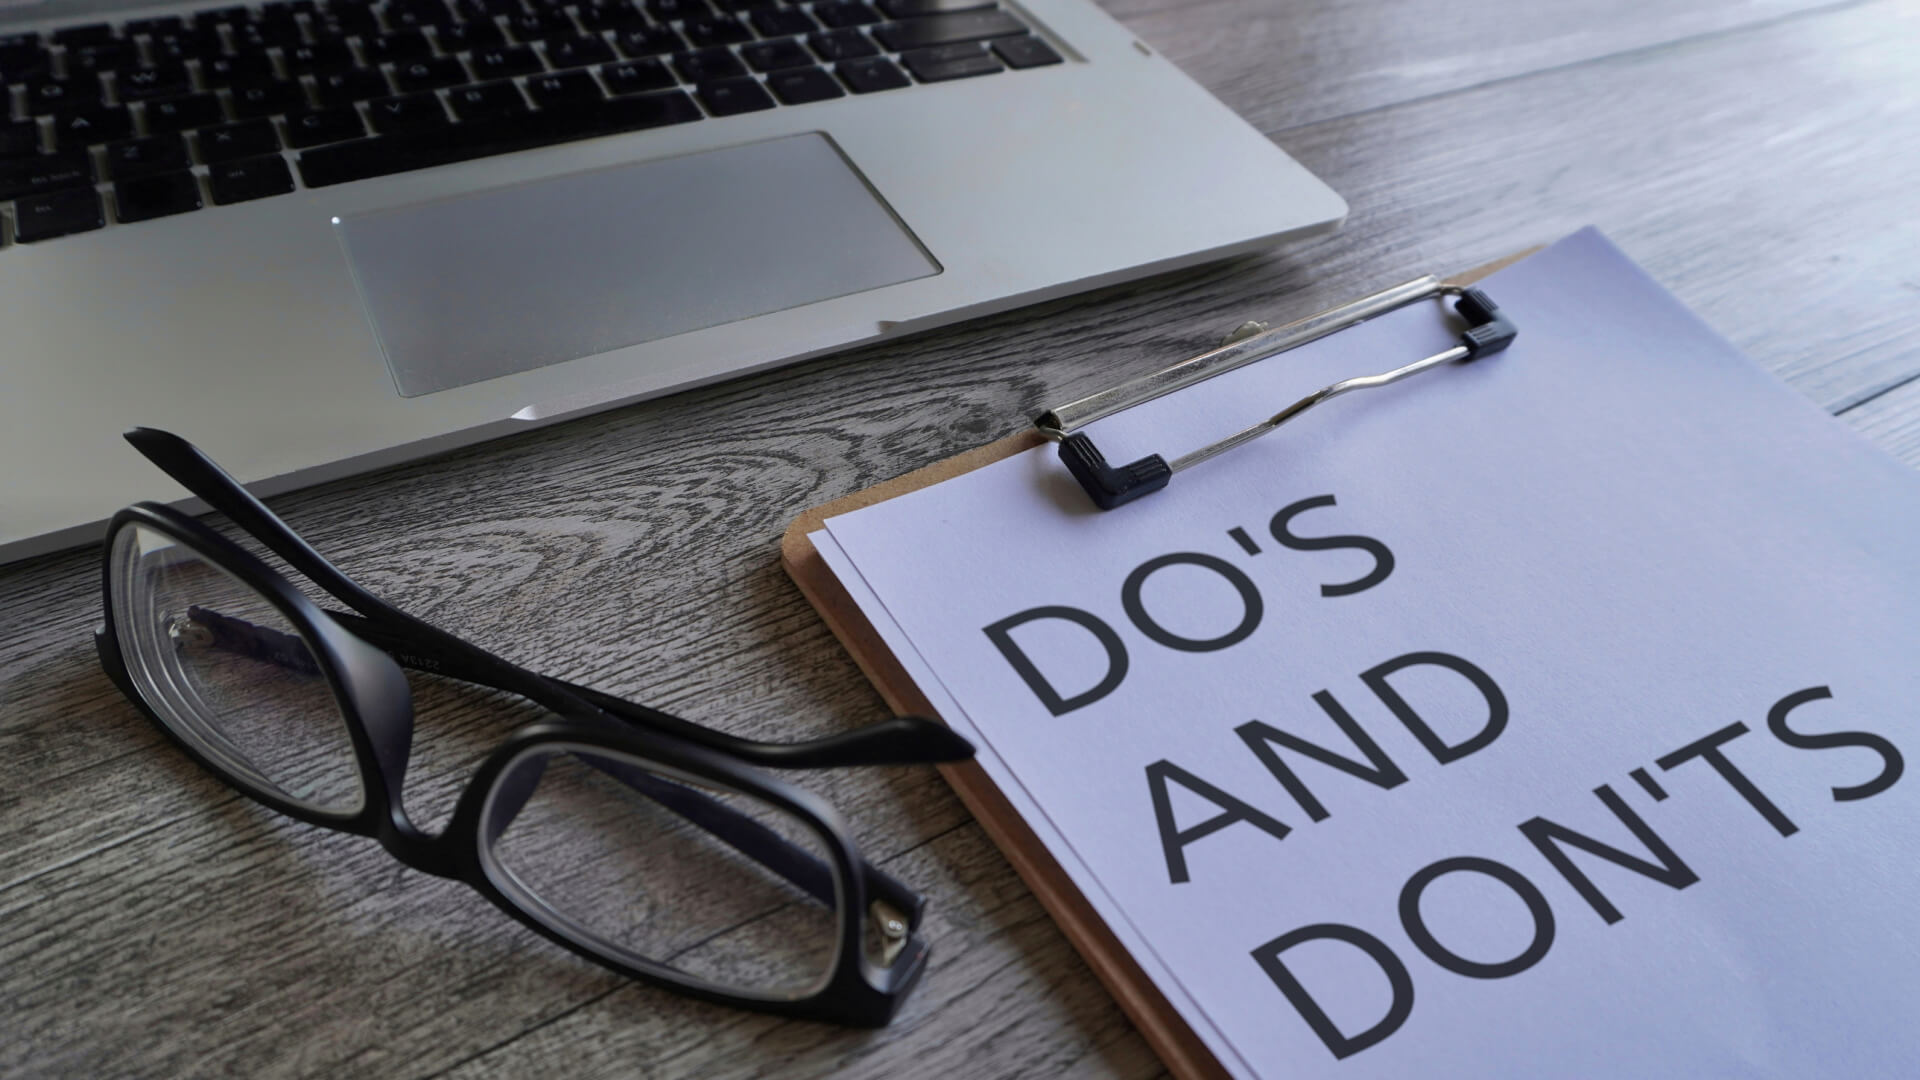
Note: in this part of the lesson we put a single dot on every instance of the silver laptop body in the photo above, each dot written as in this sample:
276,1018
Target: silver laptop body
338,328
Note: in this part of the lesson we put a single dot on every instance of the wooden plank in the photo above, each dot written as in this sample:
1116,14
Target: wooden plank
1892,420
1785,144
998,1000
1321,59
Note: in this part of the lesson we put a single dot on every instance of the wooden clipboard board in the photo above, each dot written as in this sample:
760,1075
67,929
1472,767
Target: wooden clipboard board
1170,1036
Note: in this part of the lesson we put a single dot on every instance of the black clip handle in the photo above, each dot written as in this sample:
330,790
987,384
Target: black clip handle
1107,486
1488,331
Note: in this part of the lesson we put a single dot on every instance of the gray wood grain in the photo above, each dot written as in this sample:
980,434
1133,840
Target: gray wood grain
1892,420
1758,159
1320,59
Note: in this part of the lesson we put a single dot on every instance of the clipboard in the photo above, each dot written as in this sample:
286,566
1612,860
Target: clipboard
1178,1047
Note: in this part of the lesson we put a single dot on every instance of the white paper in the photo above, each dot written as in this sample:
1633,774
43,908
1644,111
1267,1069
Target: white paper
1022,803
1637,534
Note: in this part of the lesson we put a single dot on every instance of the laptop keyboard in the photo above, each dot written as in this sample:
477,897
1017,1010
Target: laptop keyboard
161,116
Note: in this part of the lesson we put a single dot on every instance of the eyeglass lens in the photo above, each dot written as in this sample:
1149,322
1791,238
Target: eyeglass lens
229,674
640,862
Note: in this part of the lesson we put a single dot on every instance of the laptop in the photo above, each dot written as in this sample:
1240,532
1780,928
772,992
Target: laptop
322,236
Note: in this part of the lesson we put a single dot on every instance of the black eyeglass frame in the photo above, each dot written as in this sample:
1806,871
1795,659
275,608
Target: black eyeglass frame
360,654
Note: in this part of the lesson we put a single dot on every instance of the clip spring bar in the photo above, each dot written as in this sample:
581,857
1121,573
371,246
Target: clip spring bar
1109,486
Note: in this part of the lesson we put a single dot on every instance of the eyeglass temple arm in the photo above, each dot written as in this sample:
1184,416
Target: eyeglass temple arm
199,474
902,740
909,740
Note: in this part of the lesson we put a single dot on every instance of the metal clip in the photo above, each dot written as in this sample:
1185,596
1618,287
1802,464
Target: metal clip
1248,329
1488,332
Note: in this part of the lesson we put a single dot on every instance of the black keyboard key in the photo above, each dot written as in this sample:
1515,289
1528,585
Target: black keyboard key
249,178
650,41
744,5
318,56
196,42
21,51
531,26
259,37
58,213
1025,51
17,47
775,55
323,126
222,16
418,14
727,97
843,15
397,47
564,89
156,196
637,77
111,56
181,113
797,86
637,112
868,74
20,140
180,48
782,22
74,128
248,138
719,30
363,158
417,18
47,95
506,62
672,10
23,63
485,10
609,15
937,30
842,45
406,113
146,84
129,158
226,70
155,27
486,101
470,36
578,51
347,87
913,9
701,65
950,62
283,12
267,98
344,21
80,37
45,172
431,73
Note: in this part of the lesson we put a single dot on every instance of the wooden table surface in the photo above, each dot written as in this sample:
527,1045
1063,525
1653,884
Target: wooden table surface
1759,157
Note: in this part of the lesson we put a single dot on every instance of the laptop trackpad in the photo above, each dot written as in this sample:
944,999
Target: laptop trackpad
477,286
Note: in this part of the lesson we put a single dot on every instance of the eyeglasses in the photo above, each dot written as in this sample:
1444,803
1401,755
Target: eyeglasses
646,843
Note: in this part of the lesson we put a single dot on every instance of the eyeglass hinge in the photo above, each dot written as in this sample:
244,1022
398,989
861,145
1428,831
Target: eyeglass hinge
893,929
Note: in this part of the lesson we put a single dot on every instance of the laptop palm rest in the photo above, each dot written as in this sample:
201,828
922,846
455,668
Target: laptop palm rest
478,286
